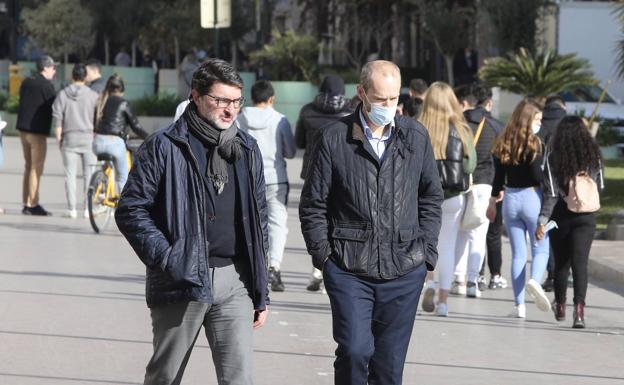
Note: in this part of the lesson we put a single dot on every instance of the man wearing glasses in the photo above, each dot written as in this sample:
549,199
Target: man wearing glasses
194,211
34,120
370,216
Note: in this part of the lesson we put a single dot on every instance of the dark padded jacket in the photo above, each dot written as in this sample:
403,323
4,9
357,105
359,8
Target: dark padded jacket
374,219
312,119
484,173
455,170
551,116
162,214
34,113
116,117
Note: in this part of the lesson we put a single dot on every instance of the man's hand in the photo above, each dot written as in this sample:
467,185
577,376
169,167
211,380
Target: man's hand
259,317
490,213
539,232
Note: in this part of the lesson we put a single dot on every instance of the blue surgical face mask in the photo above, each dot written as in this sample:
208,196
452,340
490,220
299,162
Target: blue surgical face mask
380,115
536,127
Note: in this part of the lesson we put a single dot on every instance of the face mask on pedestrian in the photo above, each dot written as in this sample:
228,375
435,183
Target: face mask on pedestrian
380,115
536,127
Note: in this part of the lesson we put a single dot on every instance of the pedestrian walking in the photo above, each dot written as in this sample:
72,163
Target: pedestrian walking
113,116
73,114
194,210
94,76
34,120
370,216
455,157
276,142
574,159
518,159
329,105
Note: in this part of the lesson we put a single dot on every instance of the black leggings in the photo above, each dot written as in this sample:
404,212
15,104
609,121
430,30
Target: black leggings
571,243
493,239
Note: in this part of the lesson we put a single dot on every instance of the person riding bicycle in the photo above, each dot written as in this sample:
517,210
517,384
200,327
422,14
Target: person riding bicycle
113,116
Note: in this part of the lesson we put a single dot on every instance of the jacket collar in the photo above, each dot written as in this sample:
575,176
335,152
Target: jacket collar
357,131
179,132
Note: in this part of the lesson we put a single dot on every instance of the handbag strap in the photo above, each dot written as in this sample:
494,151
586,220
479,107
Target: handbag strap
479,130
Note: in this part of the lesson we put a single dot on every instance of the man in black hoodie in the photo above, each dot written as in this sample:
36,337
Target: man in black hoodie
34,120
328,106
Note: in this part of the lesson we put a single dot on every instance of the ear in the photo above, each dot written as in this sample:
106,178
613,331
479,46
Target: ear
195,96
271,100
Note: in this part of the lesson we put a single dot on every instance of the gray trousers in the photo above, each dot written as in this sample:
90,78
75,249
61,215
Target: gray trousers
276,196
70,164
228,325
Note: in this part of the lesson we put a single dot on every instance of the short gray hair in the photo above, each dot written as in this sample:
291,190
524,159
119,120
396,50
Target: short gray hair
367,71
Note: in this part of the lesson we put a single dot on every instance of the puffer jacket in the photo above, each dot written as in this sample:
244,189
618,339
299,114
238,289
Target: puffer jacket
455,170
313,118
162,214
484,173
116,117
374,219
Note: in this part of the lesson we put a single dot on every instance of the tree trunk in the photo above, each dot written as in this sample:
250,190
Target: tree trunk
106,50
176,47
448,60
134,53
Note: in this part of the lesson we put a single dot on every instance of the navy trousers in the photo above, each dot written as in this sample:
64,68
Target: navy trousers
372,324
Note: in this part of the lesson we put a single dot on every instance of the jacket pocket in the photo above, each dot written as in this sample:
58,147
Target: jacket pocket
409,250
183,261
348,244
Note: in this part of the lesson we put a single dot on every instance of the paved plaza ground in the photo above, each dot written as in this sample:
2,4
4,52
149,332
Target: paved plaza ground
72,311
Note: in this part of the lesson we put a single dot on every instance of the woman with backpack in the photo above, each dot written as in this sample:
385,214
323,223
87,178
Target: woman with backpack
573,178
518,167
455,155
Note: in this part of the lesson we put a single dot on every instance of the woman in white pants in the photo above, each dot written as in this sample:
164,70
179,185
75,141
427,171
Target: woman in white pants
455,156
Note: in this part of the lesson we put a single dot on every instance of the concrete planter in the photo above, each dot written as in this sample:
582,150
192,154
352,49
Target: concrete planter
11,119
610,152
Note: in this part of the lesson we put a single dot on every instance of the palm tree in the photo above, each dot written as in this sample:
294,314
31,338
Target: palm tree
619,12
536,75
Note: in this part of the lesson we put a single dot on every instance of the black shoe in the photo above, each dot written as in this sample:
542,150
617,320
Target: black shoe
314,284
275,279
548,285
579,316
37,210
482,283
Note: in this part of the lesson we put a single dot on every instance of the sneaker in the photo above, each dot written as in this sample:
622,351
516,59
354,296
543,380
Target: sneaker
275,279
37,211
548,285
482,283
442,310
458,288
71,214
519,311
427,304
537,293
472,290
497,282
314,284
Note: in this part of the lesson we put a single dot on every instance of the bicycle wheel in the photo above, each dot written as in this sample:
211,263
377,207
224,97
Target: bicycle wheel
99,213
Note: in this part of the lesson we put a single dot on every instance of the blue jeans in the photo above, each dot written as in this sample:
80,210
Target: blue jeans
116,147
521,208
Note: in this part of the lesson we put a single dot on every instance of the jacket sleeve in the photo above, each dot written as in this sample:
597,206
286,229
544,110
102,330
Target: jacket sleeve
499,177
288,141
137,200
313,203
260,189
57,110
300,134
134,122
430,197
550,194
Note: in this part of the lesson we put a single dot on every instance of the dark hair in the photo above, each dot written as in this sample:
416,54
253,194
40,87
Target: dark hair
212,71
552,99
79,72
261,91
463,93
481,93
94,63
418,85
114,84
573,150
412,107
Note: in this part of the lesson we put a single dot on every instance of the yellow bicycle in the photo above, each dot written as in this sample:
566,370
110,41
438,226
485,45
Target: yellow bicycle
102,195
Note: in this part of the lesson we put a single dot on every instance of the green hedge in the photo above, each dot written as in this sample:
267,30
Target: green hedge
156,105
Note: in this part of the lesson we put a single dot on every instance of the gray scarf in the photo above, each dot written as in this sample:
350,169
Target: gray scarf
226,143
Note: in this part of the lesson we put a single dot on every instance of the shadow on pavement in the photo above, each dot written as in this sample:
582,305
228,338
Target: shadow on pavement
73,379
136,278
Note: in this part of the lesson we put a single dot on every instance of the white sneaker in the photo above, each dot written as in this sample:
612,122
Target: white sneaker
472,290
519,311
458,288
442,310
537,293
71,214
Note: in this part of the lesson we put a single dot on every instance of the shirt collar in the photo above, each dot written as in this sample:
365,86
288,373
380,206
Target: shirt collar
369,133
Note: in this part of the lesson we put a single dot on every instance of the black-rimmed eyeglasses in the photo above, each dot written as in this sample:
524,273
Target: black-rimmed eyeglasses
225,102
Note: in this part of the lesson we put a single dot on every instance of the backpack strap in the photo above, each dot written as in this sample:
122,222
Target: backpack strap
479,130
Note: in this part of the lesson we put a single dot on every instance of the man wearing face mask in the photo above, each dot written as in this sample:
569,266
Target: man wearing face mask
194,210
370,216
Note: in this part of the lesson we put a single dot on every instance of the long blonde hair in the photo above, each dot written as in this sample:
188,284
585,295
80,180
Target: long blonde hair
441,110
518,143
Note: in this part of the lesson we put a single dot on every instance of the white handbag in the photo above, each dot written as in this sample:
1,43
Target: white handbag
474,212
